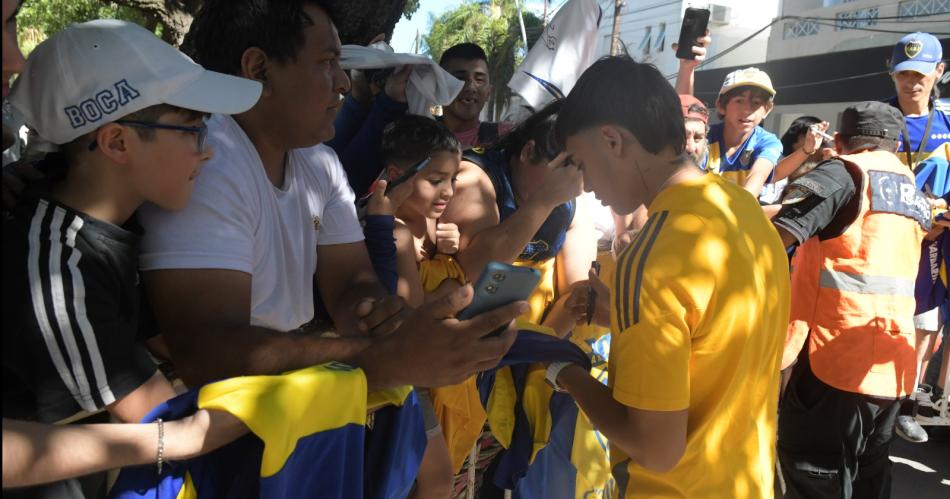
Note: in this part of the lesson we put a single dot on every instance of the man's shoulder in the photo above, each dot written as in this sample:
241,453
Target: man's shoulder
824,180
321,168
318,155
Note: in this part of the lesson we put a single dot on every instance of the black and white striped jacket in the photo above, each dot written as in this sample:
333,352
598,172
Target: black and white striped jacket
71,306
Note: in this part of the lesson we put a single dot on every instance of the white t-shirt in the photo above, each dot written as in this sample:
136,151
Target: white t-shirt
601,215
237,220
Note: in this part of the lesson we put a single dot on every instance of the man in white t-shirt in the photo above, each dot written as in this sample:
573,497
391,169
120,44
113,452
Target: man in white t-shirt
230,275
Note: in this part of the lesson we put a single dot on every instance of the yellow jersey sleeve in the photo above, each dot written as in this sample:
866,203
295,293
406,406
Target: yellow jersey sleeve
660,290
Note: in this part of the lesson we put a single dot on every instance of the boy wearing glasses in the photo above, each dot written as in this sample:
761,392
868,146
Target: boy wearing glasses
127,113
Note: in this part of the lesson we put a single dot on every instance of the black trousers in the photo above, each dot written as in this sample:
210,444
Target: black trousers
833,443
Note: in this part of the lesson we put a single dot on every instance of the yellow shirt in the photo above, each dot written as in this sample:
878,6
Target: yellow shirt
701,300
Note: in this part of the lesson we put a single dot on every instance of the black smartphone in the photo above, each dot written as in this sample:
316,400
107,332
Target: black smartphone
499,285
591,294
695,22
411,172
392,183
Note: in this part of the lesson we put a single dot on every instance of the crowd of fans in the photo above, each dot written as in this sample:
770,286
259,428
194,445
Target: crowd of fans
292,247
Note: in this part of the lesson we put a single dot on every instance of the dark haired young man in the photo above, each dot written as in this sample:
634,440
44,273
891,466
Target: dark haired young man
697,308
468,62
230,277
358,146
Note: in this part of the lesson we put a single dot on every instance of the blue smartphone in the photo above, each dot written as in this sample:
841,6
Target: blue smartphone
499,285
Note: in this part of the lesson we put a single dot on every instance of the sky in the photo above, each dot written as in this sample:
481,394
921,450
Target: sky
404,36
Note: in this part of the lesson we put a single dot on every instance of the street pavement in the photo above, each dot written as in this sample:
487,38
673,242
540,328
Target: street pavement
922,471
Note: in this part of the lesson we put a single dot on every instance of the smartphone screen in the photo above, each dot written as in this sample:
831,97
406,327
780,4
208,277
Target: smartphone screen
695,22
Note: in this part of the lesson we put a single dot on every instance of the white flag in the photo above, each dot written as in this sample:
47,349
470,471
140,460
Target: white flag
566,48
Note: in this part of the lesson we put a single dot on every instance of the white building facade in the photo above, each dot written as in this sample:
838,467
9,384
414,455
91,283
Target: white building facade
648,28
865,29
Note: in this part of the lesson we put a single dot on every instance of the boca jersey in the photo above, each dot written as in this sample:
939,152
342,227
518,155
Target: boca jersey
308,438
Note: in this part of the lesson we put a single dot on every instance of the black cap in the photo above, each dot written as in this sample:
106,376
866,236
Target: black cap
871,119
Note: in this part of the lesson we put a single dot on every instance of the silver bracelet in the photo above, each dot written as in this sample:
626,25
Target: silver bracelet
161,444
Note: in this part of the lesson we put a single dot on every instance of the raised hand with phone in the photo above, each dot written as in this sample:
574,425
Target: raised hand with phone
691,49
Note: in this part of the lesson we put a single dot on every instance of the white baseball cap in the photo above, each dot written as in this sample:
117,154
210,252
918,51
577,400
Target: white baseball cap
748,77
94,73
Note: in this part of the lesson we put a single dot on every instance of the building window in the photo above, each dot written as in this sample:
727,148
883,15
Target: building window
799,29
661,38
860,18
645,42
832,3
914,8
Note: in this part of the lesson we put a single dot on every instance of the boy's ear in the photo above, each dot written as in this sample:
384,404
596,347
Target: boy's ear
614,139
527,153
720,105
768,108
254,64
113,140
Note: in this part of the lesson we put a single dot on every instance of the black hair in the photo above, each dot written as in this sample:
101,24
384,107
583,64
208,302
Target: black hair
799,127
854,143
223,29
464,51
539,127
616,90
413,138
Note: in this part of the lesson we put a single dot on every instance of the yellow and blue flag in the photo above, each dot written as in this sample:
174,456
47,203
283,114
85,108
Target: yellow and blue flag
551,450
308,438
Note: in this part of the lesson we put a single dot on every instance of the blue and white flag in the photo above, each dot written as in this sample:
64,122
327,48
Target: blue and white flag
566,48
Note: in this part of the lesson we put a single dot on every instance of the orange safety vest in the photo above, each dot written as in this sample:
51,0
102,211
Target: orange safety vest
855,292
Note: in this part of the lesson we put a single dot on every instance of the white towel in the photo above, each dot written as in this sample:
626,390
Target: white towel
566,48
428,85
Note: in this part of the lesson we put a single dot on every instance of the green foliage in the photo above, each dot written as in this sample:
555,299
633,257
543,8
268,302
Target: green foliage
39,19
494,26
411,7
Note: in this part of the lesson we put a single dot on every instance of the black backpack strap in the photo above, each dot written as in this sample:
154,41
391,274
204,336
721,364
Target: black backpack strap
487,133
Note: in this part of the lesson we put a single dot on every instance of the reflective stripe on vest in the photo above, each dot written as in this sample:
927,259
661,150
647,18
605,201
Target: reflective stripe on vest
866,284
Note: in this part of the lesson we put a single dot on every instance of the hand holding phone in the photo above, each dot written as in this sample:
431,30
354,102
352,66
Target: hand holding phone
499,285
695,22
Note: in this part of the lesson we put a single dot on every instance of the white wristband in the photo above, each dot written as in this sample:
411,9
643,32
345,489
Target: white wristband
554,369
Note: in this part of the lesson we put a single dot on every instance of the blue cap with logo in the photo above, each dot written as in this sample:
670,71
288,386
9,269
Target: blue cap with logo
920,52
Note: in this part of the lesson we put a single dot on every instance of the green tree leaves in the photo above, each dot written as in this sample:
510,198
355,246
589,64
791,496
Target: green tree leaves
494,26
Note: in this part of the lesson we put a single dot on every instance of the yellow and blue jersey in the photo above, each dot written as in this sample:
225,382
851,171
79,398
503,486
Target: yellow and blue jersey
931,288
761,144
938,135
308,438
551,449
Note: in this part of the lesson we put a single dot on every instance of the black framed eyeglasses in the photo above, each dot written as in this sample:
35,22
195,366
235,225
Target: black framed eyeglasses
200,131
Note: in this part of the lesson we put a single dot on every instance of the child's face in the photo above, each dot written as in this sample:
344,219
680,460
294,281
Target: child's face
164,168
434,186
745,111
